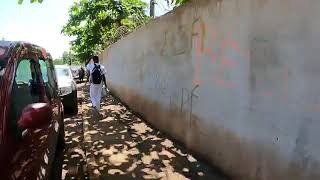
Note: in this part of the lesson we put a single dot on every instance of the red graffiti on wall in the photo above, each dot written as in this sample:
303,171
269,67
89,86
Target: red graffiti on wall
223,64
226,63
316,108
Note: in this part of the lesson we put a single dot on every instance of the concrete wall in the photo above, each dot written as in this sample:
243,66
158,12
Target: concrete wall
256,112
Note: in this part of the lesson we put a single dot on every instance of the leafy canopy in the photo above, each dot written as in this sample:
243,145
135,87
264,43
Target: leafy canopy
95,24
31,1
176,2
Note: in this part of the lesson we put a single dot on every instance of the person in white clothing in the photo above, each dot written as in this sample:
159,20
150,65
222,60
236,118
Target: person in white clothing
96,78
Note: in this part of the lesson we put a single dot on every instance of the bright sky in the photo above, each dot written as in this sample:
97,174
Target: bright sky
40,24
36,23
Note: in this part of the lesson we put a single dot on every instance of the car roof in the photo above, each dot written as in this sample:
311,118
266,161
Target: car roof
6,47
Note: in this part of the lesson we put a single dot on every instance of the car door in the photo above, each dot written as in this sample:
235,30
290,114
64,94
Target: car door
34,147
56,128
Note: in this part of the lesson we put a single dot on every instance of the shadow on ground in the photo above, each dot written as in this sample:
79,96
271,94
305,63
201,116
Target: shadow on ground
119,145
74,163
116,144
71,160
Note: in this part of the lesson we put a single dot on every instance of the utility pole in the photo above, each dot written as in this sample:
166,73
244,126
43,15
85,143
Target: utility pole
152,3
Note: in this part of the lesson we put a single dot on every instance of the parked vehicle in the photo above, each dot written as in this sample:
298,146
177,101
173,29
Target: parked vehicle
75,71
31,113
67,88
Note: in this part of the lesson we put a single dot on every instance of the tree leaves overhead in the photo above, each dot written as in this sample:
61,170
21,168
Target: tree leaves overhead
176,2
31,1
98,23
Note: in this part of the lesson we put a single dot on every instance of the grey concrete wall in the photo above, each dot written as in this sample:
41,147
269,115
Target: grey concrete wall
256,110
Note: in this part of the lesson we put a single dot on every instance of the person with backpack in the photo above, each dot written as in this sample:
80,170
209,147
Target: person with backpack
96,79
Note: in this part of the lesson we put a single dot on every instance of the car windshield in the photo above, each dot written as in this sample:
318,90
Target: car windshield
63,72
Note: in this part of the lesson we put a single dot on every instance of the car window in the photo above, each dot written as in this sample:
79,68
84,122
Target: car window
25,91
48,77
44,70
23,72
63,72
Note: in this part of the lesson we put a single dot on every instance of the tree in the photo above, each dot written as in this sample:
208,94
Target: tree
31,1
69,58
99,23
58,62
170,3
176,2
66,58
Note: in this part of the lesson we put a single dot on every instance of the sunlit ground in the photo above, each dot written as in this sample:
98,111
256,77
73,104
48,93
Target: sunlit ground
118,145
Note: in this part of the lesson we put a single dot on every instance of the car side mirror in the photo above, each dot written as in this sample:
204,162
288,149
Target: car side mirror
35,116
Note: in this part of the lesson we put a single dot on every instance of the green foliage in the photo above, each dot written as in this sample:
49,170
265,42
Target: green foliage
67,58
70,58
176,2
179,2
96,24
58,62
31,1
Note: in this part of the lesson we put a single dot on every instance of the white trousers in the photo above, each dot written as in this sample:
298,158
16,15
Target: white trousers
95,95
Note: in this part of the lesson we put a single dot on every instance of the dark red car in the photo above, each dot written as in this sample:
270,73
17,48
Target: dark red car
31,112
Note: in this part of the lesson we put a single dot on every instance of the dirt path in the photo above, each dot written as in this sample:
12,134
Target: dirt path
119,145
74,162
74,165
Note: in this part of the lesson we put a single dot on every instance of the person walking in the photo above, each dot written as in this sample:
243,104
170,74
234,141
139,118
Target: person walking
88,64
81,74
96,78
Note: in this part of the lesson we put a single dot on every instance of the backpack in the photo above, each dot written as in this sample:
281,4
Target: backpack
96,74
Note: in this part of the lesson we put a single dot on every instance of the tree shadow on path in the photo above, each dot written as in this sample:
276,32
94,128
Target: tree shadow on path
120,145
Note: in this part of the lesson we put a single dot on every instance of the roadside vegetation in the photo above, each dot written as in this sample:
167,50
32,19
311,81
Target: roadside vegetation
96,24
